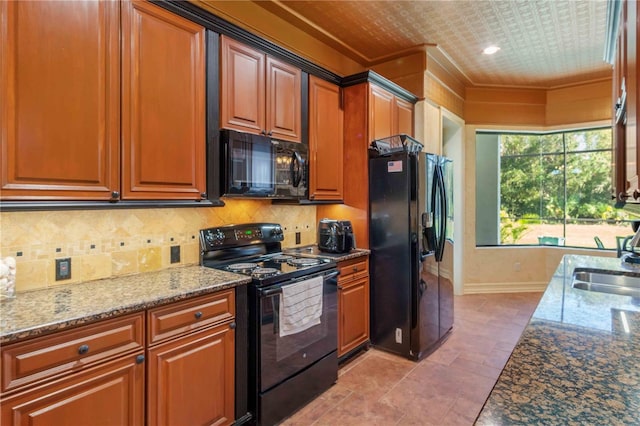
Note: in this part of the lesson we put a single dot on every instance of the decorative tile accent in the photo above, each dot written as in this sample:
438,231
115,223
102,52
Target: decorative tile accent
104,243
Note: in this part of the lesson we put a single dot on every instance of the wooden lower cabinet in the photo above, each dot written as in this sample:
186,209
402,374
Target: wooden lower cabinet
353,304
95,374
110,394
191,379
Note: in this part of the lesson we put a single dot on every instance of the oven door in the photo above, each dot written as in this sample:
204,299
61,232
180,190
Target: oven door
283,357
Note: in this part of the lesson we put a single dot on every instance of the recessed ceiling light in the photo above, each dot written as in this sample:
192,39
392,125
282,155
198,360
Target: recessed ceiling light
490,50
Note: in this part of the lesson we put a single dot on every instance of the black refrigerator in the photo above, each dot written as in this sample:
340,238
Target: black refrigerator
411,242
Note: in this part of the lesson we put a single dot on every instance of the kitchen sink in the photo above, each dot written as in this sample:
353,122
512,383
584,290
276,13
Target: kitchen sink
607,282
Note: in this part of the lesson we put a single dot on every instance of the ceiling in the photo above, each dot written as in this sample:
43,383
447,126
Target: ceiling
544,43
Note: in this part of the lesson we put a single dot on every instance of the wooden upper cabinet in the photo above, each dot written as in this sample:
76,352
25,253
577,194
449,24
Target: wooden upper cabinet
283,112
389,115
163,104
258,93
625,109
242,91
59,106
381,113
325,141
404,116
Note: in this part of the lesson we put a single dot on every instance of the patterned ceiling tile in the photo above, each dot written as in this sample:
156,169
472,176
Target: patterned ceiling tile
543,42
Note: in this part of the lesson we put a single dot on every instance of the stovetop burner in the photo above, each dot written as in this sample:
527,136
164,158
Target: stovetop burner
262,273
303,261
281,258
242,268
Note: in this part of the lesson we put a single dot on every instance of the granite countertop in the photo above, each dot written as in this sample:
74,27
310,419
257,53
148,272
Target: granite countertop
578,359
37,312
313,251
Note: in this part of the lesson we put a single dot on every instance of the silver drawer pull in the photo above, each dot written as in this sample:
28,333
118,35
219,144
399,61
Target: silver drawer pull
198,315
83,349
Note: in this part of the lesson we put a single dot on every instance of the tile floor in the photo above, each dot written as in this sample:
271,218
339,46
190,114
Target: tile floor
448,387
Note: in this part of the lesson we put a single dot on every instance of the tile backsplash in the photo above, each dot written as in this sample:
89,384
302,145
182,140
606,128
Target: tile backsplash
104,243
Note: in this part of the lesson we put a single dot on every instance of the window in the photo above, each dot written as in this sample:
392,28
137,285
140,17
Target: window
547,188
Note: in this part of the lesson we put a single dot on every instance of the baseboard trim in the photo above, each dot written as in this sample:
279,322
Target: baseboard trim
521,287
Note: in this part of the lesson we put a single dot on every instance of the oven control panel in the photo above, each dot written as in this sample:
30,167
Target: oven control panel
239,235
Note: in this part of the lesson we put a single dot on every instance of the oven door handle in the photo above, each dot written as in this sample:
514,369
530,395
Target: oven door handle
271,292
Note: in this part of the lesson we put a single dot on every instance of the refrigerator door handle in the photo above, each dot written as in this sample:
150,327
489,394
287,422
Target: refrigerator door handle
443,216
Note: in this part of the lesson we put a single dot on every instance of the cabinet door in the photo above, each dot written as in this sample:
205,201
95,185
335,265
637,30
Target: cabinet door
631,124
353,309
403,117
283,113
325,141
381,114
163,105
112,394
59,108
191,379
242,87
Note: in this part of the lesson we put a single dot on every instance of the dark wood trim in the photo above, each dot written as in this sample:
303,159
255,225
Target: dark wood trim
242,413
219,25
214,170
378,80
306,202
28,205
304,104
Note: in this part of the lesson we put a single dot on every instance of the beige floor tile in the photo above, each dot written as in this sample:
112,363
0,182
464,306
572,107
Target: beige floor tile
448,387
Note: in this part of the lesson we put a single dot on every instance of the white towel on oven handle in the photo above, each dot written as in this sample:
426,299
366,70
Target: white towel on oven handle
300,306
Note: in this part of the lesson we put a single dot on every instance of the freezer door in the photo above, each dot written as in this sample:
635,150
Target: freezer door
390,244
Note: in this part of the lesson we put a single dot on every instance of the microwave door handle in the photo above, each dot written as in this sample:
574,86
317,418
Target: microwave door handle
296,169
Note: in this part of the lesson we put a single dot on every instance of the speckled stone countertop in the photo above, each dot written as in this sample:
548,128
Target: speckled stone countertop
578,359
313,251
36,312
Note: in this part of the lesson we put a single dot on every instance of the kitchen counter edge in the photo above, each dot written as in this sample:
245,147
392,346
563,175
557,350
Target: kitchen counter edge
575,361
34,313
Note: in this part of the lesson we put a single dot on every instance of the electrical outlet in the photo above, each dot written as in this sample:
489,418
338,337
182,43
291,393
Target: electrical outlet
175,254
297,238
398,335
63,269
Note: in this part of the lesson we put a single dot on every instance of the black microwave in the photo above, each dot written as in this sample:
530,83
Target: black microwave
256,166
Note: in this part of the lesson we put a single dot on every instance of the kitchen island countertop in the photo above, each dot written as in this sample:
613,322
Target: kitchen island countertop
33,313
577,361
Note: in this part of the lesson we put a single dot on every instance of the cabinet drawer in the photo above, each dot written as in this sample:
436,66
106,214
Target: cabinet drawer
69,351
183,317
353,269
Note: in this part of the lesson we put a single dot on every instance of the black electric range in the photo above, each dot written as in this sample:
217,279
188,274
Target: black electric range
286,370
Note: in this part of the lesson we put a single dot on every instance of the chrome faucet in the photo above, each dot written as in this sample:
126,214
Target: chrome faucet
633,241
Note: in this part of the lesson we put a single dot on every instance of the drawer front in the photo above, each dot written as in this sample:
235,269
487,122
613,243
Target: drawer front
353,269
68,351
182,317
